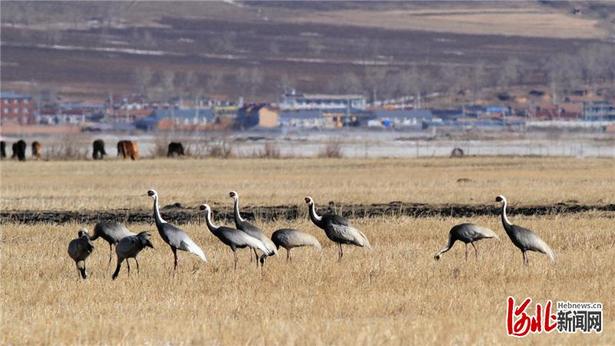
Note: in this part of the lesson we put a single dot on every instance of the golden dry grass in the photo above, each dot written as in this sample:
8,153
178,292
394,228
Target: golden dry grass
112,184
526,20
396,294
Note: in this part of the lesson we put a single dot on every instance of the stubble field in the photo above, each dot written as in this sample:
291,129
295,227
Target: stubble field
394,294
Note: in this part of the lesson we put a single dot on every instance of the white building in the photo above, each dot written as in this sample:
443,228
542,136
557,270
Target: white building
294,101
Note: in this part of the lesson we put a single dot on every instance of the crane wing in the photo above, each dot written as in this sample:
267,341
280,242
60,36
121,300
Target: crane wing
349,234
188,245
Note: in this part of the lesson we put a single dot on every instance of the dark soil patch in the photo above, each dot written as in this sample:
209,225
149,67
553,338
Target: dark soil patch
180,215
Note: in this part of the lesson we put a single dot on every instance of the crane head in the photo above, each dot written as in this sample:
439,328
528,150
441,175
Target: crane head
437,257
309,200
233,194
152,193
204,207
83,233
145,238
500,198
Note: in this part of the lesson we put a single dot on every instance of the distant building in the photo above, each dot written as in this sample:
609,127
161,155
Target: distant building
598,111
177,119
298,101
61,116
413,118
16,108
257,115
302,119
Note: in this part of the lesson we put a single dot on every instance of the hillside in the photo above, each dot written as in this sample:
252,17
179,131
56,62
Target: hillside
85,49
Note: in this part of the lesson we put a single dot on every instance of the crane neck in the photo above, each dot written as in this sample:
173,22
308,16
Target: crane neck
448,246
210,224
157,216
316,219
505,220
237,214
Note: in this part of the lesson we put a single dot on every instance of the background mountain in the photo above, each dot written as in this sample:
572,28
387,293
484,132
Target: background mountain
258,49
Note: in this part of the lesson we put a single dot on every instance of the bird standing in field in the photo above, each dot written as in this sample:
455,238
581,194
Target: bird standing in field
233,238
79,249
112,233
252,230
292,238
523,238
129,247
337,228
467,233
173,235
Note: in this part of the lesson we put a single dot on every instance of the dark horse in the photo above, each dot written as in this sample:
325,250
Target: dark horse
19,150
98,149
175,149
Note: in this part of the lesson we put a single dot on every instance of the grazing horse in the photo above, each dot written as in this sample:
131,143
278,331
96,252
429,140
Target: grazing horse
36,150
19,150
2,150
175,149
98,149
128,149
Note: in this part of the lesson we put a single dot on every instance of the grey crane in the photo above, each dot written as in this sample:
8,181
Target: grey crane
523,238
79,249
233,238
337,228
467,233
173,235
129,247
289,238
252,230
112,233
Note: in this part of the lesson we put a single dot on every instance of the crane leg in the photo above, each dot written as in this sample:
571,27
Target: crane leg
341,254
475,249
117,269
79,271
235,259
466,252
525,260
255,257
288,259
137,262
174,259
110,253
128,266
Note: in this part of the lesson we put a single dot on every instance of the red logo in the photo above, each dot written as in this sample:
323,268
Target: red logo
519,323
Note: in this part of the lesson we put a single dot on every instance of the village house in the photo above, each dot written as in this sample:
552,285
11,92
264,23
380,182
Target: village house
257,115
411,118
298,101
194,119
598,111
16,108
306,119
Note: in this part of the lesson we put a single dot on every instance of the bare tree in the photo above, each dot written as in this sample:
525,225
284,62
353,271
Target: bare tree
167,82
510,72
143,76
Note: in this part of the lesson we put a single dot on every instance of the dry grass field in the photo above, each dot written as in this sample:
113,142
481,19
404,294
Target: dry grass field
88,185
395,294
528,21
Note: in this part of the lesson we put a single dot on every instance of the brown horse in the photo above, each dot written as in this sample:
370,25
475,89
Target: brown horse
128,149
36,150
